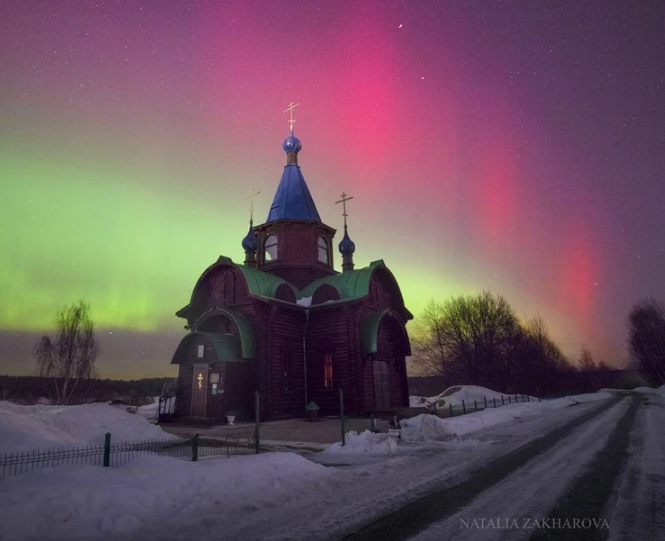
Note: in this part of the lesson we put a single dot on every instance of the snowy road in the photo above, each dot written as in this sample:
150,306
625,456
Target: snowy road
577,488
374,501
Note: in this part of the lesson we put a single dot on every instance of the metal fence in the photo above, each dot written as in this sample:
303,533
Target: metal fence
471,406
115,454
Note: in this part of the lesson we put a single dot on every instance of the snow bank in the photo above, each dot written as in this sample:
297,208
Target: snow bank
365,443
467,393
89,502
38,427
647,390
430,427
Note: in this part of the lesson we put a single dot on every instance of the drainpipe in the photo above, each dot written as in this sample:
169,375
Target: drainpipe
304,352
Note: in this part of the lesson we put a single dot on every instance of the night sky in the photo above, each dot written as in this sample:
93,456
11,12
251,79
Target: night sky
517,147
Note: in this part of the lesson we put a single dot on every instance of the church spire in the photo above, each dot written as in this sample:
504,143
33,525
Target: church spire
346,247
291,144
292,200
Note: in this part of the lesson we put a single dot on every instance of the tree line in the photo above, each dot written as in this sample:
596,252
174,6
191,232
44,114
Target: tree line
479,340
473,339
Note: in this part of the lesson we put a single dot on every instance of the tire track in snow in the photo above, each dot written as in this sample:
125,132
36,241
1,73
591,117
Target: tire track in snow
637,507
589,494
418,515
515,508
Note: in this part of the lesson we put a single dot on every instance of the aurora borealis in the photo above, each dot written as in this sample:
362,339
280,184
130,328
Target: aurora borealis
516,146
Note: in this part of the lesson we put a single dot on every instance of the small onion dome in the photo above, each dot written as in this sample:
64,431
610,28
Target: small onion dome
249,242
292,144
347,246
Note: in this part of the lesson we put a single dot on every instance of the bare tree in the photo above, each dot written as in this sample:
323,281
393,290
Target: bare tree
428,342
586,362
71,356
538,364
646,338
467,339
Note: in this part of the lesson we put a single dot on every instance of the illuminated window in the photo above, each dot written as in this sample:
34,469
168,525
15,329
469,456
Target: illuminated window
324,251
270,247
328,371
201,350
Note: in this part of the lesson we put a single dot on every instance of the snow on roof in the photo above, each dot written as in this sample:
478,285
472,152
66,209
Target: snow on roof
305,301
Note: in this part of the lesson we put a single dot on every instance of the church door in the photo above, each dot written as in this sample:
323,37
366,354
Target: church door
381,385
199,390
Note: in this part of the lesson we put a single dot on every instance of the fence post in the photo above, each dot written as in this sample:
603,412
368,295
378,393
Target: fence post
475,404
341,414
435,410
516,399
257,434
107,449
509,402
195,448
451,411
485,399
502,402
463,408
373,421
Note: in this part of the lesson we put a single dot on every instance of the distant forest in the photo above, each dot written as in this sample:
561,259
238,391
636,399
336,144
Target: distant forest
29,389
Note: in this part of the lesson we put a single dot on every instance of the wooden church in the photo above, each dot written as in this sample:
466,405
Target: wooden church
287,324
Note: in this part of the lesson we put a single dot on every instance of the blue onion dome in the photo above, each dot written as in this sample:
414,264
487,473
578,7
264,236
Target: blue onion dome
249,242
347,246
292,144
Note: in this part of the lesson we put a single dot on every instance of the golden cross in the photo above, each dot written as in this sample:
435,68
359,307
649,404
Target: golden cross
251,197
343,201
200,378
290,109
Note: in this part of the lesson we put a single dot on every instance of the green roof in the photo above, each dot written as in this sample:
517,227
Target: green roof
227,346
247,341
350,285
261,283
369,330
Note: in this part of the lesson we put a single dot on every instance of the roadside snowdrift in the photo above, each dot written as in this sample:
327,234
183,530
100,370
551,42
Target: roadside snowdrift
430,427
458,393
365,443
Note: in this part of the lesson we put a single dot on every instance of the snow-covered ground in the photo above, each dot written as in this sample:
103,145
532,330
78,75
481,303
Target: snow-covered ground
428,427
282,496
40,427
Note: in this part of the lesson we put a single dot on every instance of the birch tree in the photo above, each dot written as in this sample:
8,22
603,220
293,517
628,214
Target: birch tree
70,356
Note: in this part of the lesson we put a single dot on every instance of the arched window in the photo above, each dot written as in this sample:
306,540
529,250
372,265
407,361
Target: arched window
324,251
270,248
285,293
